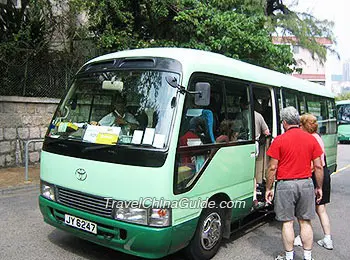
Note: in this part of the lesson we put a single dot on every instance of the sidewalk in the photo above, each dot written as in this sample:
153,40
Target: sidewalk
12,179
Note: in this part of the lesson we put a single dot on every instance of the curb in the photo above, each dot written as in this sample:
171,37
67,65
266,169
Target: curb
14,189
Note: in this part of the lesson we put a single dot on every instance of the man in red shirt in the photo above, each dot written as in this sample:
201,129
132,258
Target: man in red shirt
291,156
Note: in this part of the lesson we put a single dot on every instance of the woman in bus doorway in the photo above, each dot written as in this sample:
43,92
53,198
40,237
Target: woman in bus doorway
309,124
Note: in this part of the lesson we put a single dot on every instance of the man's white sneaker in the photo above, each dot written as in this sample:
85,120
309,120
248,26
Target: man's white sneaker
297,241
280,257
328,244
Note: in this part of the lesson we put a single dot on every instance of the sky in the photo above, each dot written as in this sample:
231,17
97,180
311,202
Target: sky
337,11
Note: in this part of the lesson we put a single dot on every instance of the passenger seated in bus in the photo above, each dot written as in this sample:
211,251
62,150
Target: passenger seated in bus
119,117
140,115
226,132
197,133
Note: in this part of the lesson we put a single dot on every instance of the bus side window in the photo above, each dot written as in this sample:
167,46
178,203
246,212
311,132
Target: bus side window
317,106
238,112
332,117
290,98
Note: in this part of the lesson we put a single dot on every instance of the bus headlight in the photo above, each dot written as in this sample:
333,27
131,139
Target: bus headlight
134,215
147,216
47,191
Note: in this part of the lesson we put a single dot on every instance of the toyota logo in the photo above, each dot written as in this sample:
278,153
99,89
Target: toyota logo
81,174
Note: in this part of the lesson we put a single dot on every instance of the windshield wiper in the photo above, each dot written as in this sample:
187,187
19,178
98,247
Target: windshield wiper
106,146
97,147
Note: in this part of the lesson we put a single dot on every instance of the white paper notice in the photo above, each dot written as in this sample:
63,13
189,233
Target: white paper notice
137,137
159,141
93,130
62,127
148,137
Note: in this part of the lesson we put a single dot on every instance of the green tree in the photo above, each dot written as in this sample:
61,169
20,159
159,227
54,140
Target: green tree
281,20
39,37
304,26
345,96
23,32
208,25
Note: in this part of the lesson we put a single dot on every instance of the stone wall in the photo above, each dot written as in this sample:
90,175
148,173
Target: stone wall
23,119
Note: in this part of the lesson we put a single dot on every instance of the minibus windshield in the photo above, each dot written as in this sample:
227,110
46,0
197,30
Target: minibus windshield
344,114
117,107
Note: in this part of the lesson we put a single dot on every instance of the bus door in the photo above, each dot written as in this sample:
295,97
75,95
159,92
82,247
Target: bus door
263,118
216,147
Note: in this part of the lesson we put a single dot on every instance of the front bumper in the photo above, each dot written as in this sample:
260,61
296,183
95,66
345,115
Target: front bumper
147,242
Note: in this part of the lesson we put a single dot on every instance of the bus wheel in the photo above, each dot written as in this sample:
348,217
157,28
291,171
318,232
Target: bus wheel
208,235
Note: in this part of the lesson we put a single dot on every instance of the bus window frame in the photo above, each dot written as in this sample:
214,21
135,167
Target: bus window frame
213,148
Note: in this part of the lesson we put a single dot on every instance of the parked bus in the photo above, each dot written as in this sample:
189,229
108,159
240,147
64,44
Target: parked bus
150,151
343,119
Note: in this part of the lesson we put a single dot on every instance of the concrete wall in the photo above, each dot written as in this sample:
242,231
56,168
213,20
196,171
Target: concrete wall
22,119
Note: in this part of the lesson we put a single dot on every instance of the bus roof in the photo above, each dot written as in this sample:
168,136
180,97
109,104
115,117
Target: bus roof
342,102
204,61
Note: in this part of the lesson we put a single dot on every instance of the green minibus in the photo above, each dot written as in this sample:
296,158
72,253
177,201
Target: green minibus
154,150
343,120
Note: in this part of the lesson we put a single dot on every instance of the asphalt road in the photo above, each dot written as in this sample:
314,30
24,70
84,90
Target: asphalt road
24,235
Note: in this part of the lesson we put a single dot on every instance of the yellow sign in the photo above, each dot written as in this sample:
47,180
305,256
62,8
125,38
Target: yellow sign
106,138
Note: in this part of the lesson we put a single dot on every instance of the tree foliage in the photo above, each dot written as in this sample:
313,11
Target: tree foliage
208,25
344,96
240,29
304,26
24,32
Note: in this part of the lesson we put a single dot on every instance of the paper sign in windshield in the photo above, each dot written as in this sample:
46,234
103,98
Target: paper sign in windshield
137,137
159,141
149,136
101,134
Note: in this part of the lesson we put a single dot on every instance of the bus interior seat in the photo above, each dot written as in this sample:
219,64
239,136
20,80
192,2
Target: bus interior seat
207,115
209,118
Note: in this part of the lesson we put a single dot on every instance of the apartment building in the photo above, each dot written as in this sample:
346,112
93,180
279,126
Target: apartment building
312,69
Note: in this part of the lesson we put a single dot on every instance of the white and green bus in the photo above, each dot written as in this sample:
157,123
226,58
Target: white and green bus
343,120
154,150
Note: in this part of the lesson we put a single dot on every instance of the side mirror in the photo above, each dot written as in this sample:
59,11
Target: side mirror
202,97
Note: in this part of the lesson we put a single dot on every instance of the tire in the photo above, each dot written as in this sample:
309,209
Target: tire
207,238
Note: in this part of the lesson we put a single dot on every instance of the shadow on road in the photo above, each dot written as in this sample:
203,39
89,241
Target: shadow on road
92,251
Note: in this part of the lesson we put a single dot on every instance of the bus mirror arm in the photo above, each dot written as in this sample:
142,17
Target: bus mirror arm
59,119
172,81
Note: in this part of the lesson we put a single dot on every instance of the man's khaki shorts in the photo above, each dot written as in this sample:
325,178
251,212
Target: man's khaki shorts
294,198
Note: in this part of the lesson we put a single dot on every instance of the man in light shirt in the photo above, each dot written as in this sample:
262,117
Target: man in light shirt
119,117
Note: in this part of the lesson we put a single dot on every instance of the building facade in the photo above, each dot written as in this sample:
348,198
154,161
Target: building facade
312,69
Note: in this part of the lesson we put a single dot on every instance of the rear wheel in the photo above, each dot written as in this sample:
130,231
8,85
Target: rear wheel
208,236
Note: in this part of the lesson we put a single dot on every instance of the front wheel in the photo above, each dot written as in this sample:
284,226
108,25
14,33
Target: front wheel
208,236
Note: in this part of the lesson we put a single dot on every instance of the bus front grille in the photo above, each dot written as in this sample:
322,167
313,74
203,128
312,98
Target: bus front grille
85,202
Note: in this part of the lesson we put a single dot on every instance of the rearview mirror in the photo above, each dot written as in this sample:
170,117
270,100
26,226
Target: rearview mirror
203,96
113,85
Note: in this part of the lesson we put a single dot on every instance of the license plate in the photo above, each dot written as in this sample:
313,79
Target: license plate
80,223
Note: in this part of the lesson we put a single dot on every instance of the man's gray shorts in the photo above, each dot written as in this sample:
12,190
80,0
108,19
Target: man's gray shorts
294,198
